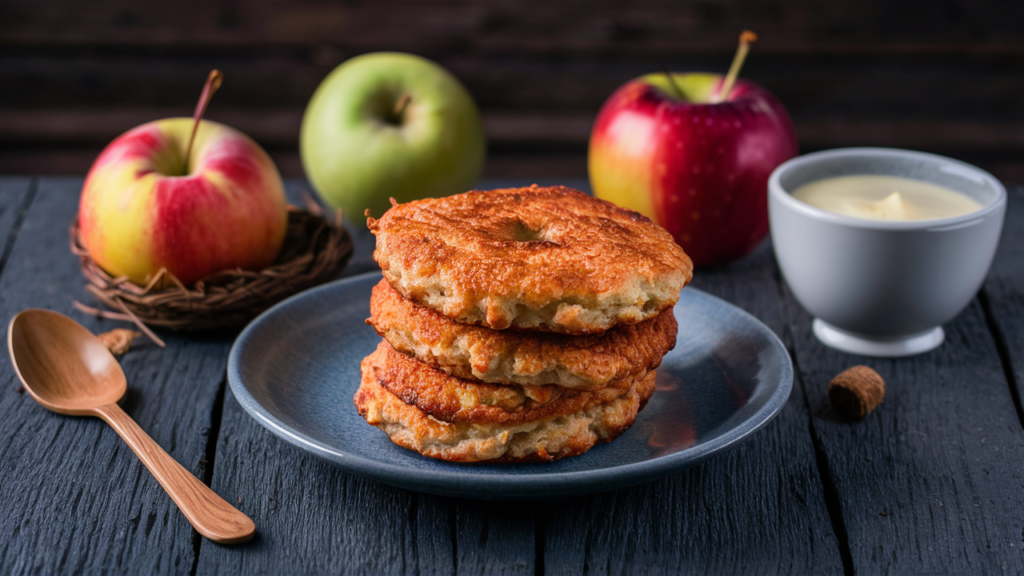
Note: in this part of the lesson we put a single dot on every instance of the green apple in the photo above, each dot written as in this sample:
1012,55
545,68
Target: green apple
390,125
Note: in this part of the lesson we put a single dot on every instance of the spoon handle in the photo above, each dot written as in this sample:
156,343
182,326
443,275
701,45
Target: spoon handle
209,513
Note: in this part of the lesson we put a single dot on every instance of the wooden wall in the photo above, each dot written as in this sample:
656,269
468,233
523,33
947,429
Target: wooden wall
941,76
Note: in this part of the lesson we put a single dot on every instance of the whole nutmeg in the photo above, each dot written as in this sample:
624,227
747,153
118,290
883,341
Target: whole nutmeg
856,391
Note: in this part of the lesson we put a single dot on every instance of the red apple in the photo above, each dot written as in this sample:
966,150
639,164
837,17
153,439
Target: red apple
663,146
144,207
191,196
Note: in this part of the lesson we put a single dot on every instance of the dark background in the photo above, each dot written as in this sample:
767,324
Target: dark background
945,77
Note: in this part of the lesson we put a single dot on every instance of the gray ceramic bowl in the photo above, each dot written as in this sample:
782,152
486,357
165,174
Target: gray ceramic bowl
882,288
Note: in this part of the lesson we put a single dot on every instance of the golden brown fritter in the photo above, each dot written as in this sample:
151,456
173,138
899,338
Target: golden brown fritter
551,259
472,352
541,439
452,399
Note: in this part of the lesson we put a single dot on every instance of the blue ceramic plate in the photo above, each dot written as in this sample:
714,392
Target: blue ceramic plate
296,367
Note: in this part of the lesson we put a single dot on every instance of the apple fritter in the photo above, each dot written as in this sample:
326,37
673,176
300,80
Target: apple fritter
583,362
543,438
538,258
452,399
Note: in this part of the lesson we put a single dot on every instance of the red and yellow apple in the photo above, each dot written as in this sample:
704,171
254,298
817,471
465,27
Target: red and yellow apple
666,147
145,206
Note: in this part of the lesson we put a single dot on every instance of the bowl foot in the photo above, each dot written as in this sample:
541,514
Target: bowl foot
877,345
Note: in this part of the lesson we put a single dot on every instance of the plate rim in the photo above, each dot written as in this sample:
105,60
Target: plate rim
494,486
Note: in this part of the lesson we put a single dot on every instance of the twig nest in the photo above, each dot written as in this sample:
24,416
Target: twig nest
856,391
315,251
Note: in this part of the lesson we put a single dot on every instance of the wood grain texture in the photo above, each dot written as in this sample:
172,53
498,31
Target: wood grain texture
76,500
534,25
757,509
931,481
881,101
16,195
312,518
1003,295
496,537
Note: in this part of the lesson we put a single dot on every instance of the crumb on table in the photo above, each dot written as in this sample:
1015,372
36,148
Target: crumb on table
118,340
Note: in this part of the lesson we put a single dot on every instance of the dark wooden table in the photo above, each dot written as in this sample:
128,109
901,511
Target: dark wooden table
931,482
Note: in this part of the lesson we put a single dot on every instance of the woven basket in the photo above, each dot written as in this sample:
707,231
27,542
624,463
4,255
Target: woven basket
315,250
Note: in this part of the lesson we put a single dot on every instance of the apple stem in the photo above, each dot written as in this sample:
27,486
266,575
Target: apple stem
672,82
213,82
400,106
746,37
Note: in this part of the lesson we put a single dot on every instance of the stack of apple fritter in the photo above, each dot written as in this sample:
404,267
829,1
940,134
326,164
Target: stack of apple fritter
519,324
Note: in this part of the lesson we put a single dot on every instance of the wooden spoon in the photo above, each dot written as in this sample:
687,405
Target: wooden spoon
68,370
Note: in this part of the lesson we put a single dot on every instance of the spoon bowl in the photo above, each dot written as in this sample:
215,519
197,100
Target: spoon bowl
68,370
62,365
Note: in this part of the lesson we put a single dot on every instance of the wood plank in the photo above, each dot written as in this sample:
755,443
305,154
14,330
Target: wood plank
310,517
1003,296
564,57
278,85
16,194
76,499
496,537
757,509
641,27
930,482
